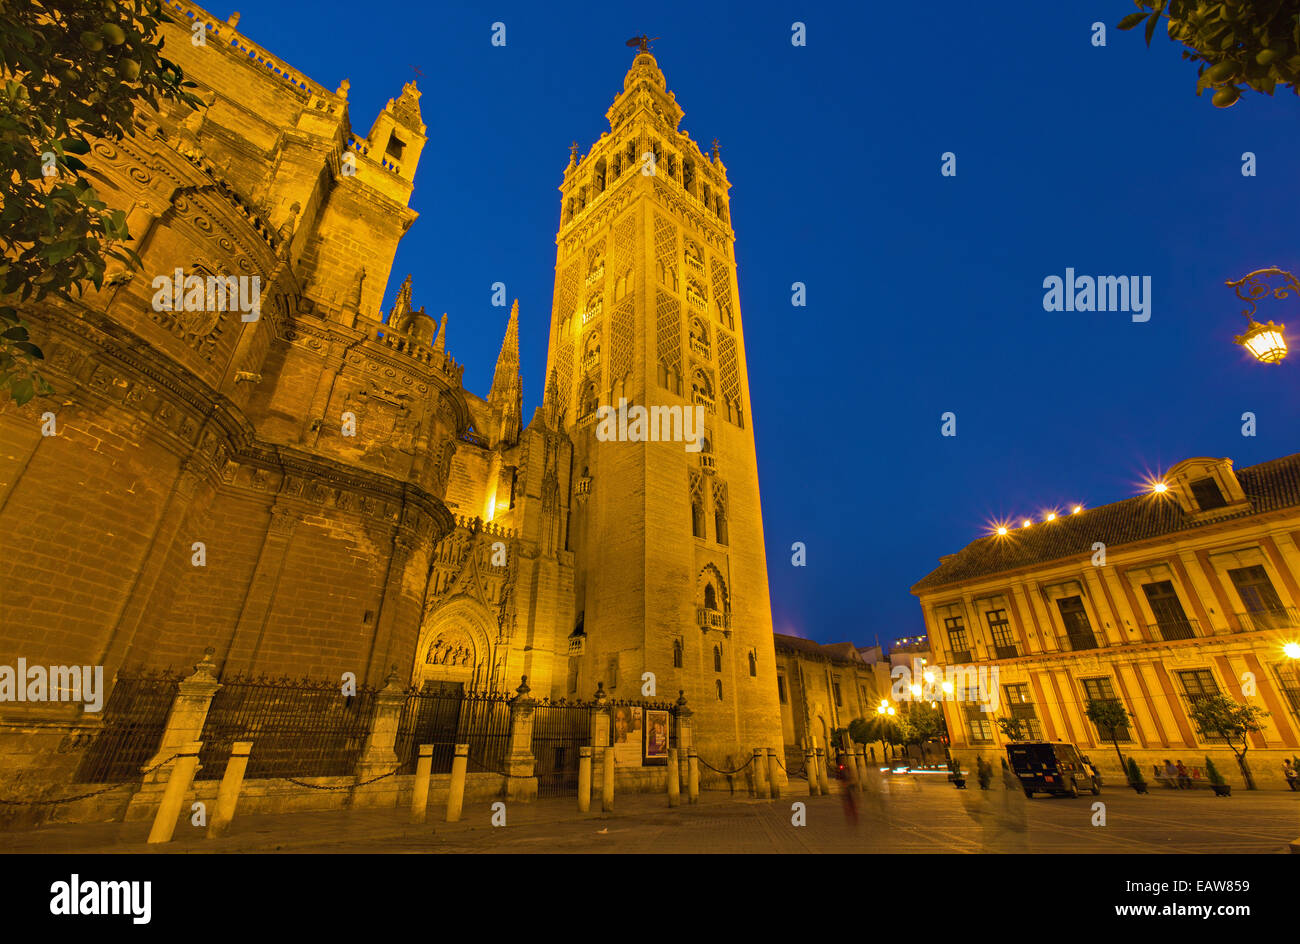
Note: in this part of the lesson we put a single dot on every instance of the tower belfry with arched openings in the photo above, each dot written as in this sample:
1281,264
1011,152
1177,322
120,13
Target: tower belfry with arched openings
668,541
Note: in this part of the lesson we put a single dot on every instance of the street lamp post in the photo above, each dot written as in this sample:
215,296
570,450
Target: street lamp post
1266,342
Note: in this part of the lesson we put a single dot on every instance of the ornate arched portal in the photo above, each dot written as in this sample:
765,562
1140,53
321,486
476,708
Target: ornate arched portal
457,644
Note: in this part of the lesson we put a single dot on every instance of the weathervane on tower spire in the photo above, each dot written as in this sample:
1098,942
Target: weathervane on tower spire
643,41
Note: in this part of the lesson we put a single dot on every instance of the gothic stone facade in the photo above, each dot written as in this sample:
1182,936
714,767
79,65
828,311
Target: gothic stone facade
313,492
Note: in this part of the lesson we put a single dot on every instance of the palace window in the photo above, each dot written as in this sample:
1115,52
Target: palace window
1100,689
1171,621
1004,644
1021,706
1199,684
1288,680
835,686
1264,609
1077,628
957,641
978,725
1207,494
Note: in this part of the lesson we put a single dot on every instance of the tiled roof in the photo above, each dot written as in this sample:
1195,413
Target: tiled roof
839,651
1268,486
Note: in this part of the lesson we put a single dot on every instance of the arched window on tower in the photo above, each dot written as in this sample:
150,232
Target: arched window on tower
753,665
719,521
700,338
710,597
702,389
599,178
591,352
697,516
718,683
688,175
677,653
587,402
717,658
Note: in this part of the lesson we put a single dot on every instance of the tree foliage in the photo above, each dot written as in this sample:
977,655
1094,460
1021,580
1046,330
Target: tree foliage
1013,729
72,70
1251,43
1222,717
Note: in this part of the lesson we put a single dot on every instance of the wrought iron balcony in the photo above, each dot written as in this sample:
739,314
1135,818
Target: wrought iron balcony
1171,629
961,656
1006,652
1079,641
1281,617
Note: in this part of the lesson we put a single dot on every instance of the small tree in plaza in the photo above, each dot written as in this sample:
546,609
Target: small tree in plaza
1108,715
1013,729
1222,717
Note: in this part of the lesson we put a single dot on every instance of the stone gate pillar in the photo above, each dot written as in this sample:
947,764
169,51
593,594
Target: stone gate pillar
600,720
378,756
521,778
682,731
185,720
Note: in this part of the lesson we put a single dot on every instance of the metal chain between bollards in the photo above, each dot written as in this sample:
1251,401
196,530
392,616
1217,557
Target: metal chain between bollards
346,786
719,771
86,796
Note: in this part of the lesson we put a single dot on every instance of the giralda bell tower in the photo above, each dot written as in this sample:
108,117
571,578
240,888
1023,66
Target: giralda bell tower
670,573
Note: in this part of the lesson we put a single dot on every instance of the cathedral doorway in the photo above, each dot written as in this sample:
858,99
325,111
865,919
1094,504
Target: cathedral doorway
455,651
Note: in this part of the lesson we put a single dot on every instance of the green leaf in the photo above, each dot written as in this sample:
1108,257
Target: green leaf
1130,21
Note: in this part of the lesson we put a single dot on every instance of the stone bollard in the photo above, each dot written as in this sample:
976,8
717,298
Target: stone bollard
692,777
607,785
821,772
228,793
773,781
760,770
810,764
420,789
584,779
456,792
178,784
674,779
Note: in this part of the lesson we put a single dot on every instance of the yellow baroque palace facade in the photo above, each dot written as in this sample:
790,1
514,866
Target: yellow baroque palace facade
360,510
1156,600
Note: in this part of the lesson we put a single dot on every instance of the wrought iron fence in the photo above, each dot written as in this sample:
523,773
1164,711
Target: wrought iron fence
560,731
135,716
447,718
299,728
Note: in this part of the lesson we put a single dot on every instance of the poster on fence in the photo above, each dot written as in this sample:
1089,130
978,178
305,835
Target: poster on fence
656,737
627,735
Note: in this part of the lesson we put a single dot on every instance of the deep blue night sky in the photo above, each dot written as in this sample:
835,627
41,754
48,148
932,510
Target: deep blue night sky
925,292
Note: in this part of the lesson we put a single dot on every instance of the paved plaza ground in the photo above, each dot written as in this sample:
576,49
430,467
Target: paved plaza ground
898,814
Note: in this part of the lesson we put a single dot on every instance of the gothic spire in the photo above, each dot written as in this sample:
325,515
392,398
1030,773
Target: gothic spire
507,361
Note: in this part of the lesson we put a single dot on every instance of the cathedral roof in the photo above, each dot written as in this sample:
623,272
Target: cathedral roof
1267,486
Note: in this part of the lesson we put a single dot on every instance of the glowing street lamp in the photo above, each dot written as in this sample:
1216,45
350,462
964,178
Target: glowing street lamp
1266,342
